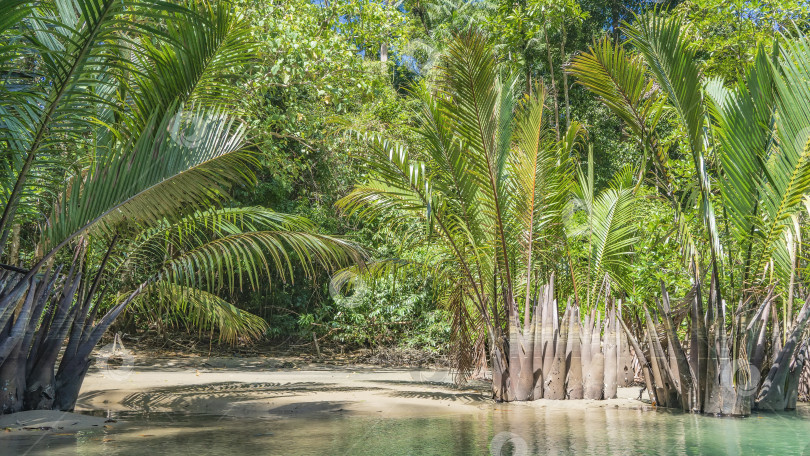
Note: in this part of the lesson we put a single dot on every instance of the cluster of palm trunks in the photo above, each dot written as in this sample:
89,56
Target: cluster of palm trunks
728,364
41,317
723,369
562,358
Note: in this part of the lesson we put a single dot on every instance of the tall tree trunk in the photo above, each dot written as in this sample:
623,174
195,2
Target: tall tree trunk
528,67
384,45
565,74
614,19
384,52
553,80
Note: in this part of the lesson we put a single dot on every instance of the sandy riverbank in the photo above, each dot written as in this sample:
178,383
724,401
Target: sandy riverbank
263,387
258,387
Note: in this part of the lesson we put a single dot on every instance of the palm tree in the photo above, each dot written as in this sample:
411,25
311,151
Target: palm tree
757,130
490,188
116,123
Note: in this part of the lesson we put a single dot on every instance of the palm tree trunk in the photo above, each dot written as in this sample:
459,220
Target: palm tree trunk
645,365
595,380
772,395
575,387
548,359
611,356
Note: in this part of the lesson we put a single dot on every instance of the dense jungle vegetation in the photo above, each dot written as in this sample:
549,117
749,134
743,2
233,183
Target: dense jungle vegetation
336,66
424,174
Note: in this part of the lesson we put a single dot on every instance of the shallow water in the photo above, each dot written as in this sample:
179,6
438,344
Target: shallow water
497,429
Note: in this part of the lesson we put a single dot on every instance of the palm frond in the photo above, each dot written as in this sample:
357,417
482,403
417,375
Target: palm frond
200,227
77,43
621,83
609,229
481,105
197,63
245,258
743,123
449,171
788,166
197,310
673,63
159,173
540,183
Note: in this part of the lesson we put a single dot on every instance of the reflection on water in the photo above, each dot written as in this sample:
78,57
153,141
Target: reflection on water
497,429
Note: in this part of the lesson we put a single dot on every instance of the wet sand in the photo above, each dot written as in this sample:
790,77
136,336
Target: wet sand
50,421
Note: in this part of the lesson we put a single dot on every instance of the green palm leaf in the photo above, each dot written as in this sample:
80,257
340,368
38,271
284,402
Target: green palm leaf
609,228
621,83
195,309
540,181
788,166
481,105
674,65
197,62
233,260
198,228
155,175
78,44
743,121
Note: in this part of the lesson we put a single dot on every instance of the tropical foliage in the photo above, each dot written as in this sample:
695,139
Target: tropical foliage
518,172
492,187
147,102
759,136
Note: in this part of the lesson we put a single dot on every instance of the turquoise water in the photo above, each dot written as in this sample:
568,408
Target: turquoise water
497,429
